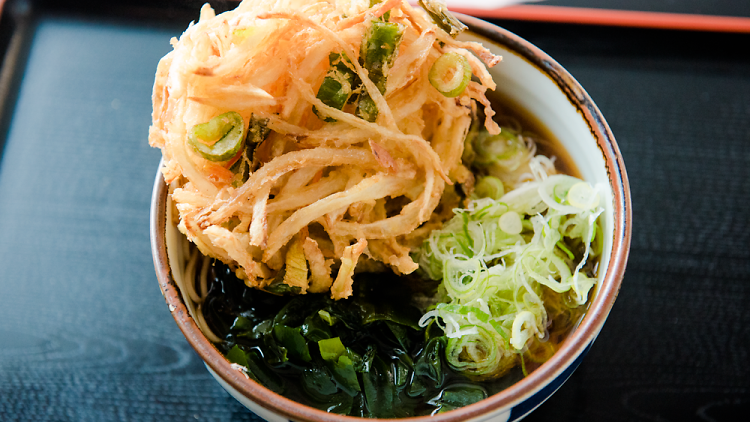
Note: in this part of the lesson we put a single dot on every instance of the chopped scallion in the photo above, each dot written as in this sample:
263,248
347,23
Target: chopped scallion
450,74
489,187
219,139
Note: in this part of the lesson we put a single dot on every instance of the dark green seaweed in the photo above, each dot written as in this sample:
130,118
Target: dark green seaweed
364,356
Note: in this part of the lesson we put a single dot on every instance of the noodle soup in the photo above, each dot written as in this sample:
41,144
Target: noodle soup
389,247
241,322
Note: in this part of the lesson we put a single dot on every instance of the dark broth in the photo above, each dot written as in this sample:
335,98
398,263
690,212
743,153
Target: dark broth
547,143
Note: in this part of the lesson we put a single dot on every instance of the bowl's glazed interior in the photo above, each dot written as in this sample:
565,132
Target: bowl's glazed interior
535,82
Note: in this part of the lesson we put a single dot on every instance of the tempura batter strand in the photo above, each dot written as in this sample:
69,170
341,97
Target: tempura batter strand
378,186
279,166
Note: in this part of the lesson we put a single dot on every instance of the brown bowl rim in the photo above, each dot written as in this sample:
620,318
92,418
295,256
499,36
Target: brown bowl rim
574,346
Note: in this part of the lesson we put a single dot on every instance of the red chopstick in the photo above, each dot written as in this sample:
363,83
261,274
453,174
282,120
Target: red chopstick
592,16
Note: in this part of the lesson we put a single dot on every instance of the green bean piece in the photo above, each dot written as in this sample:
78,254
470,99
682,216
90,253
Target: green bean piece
257,131
336,88
450,74
367,109
378,51
219,139
443,18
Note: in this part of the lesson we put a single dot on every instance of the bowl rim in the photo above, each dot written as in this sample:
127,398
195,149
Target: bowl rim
571,348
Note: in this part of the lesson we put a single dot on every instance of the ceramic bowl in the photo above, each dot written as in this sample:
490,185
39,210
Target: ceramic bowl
534,81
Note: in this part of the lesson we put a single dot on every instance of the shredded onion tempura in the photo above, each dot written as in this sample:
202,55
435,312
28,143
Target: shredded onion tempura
319,189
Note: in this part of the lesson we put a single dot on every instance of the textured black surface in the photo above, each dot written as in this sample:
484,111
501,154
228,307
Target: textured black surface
84,331
703,7
85,334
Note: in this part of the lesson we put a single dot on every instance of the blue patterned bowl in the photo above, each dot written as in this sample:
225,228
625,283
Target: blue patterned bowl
532,80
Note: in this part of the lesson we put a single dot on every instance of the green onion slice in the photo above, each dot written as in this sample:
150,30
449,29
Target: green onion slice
450,74
219,139
582,196
489,187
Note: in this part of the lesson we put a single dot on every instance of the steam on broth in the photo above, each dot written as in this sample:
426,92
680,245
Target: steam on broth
369,234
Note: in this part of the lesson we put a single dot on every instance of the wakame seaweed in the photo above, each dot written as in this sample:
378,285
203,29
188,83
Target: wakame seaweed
363,356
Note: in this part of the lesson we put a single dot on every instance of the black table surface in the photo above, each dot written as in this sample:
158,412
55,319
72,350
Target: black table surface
86,336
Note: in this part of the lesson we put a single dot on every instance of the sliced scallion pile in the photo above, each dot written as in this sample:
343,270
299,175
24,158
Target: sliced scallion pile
497,258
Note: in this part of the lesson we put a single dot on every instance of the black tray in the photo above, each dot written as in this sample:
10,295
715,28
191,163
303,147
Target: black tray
85,335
